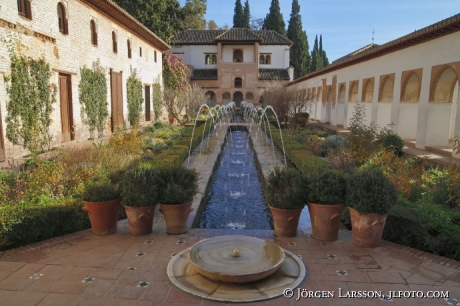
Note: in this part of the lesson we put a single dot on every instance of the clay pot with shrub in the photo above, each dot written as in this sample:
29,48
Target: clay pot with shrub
327,191
370,197
139,196
178,186
286,195
101,200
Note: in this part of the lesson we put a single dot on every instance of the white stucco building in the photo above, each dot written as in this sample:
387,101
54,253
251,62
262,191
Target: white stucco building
70,34
412,82
234,64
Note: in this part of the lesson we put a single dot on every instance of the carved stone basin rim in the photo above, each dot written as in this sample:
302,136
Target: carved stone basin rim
215,258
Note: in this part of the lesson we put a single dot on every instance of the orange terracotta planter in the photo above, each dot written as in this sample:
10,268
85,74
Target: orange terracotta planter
103,216
325,221
140,219
286,221
176,217
367,229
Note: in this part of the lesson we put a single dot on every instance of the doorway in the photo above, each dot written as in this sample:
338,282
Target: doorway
117,100
65,98
237,98
147,103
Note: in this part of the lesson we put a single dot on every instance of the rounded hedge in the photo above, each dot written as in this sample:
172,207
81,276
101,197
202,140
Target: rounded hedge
370,191
328,187
286,189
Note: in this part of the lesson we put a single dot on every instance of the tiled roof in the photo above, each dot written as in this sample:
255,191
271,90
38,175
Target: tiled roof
272,37
365,48
273,74
210,37
204,74
238,34
196,37
439,29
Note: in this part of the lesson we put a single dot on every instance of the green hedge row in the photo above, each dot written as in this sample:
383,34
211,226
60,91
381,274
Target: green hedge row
22,225
299,155
178,153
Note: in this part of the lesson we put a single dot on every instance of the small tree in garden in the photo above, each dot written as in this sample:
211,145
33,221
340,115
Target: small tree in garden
179,97
93,98
157,98
195,97
134,98
30,101
362,136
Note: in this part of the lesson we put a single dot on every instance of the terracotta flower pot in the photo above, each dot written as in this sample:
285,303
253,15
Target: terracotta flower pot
140,219
367,229
176,217
286,221
103,216
325,221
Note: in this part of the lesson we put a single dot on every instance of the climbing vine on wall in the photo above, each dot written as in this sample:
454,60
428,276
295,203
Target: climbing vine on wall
157,98
93,98
134,98
30,101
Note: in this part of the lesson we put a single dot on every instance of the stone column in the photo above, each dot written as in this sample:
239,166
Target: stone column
420,139
256,54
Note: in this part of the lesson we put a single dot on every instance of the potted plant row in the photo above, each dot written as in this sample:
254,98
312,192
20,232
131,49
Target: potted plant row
286,197
370,196
326,193
146,185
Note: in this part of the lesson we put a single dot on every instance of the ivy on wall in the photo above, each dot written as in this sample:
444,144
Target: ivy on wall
30,101
93,98
134,98
157,98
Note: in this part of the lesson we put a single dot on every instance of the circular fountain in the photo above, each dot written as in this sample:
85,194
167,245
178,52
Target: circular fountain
235,269
236,259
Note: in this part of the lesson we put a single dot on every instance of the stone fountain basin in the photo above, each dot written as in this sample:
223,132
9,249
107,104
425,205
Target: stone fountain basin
215,258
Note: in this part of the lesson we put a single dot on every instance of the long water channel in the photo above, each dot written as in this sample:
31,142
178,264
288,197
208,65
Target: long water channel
235,199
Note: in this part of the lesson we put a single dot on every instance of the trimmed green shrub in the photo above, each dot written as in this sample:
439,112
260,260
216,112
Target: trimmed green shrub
21,225
370,191
100,191
286,189
177,184
136,186
391,141
332,144
328,187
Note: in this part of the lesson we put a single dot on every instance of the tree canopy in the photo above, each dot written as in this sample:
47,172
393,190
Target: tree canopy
246,15
299,57
274,20
238,17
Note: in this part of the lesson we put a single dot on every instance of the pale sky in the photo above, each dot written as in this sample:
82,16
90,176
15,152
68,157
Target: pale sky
347,25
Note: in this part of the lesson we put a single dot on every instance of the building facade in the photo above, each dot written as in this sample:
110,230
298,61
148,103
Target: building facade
411,82
235,64
69,35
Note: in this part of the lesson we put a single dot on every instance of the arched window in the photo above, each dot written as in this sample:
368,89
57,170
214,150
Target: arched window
129,48
24,9
411,89
368,90
341,97
155,55
353,94
114,42
211,59
93,32
62,18
249,97
238,83
443,87
140,51
237,56
210,98
386,92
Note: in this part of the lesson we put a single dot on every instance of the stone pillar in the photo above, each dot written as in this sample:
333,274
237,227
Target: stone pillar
256,54
375,100
219,58
396,100
423,108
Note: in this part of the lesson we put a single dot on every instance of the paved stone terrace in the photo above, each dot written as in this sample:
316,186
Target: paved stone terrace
121,269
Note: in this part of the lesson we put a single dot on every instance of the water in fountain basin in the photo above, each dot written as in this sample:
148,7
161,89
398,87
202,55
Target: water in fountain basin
235,199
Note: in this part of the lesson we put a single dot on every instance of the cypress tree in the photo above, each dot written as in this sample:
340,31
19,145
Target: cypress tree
246,16
320,52
315,57
325,59
299,55
274,20
238,16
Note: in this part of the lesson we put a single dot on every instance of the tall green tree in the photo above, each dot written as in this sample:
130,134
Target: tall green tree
322,52
212,25
238,17
194,11
246,15
274,20
325,59
299,57
316,61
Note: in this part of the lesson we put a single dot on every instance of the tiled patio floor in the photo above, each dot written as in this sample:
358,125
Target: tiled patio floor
84,269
